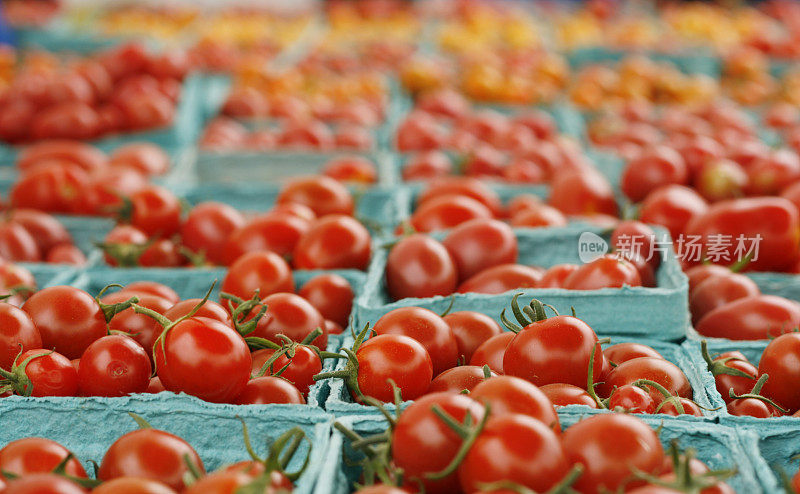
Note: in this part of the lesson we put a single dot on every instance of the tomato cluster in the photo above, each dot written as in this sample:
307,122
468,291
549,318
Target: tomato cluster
145,461
123,89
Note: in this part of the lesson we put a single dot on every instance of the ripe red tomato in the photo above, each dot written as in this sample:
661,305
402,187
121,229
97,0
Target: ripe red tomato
631,399
540,216
554,350
67,318
351,169
774,219
698,274
32,455
778,360
515,448
673,207
751,318
654,369
447,211
655,167
561,394
278,232
17,244
717,290
292,316
262,270
331,295
426,327
66,254
156,211
17,333
149,454
479,244
114,365
152,288
269,389
46,230
463,186
55,188
208,226
501,279
49,374
610,464
204,358
555,276
725,382
458,379
399,358
608,271
471,329
582,193
507,395
84,155
622,352
427,166
420,429
140,327
209,309
419,266
492,352
752,407
770,174
334,242
322,194
43,483
302,366
144,157
132,485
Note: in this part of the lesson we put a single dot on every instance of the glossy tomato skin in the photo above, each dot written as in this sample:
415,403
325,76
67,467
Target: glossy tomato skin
208,226
751,318
334,242
204,358
396,357
269,389
609,447
501,279
150,454
301,367
209,309
510,395
278,232
698,274
458,379
492,352
655,167
68,319
717,290
471,329
447,211
50,374
463,186
17,333
322,194
631,399
778,360
33,455
52,188
153,288
516,448
45,229
582,193
114,365
420,429
261,270
673,207
622,352
555,276
479,244
17,244
156,211
426,327
740,384
43,483
419,266
140,327
66,254
557,349
561,394
655,369
132,485
751,407
331,295
292,316
774,219
608,271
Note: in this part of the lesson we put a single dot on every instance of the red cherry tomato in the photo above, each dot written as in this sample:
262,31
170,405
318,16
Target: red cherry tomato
607,271
426,327
156,211
510,395
631,399
751,318
49,373
322,194
301,367
655,369
561,394
673,207
334,242
458,379
114,365
269,389
32,455
399,358
471,329
419,266
492,352
501,279
555,276
273,231
153,288
582,193
262,270
778,361
292,316
622,352
463,186
331,295
717,290
479,244
351,169
427,166
17,333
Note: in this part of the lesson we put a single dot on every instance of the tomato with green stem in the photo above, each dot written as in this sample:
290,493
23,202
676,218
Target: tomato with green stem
152,288
561,394
43,483
461,378
631,399
718,290
779,363
140,327
659,370
292,316
299,365
731,372
40,372
32,455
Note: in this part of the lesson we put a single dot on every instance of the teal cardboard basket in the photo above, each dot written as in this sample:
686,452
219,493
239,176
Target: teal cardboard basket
782,284
700,61
659,313
717,446
88,426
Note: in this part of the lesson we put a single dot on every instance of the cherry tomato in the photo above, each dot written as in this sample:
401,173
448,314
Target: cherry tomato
419,131
156,211
501,279
132,485
301,367
17,244
66,254
770,174
261,270
492,352
740,384
698,274
582,193
269,389
673,207
292,316
334,242
561,394
427,328
509,395
539,216
32,455
779,362
622,352
114,365
152,288
274,231
717,290
50,373
322,194
611,448
458,379
351,169
55,188
514,448
396,357
654,369
67,318
447,211
331,295
555,276
46,230
17,333
463,186
631,399
420,429
149,454
751,318
751,407
554,350
427,166
656,166
471,329
207,228
479,244
204,358
419,266
140,327
209,309
43,483
143,157
608,271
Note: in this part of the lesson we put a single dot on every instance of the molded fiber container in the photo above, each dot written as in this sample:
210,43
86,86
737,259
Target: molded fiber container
782,284
341,404
88,426
659,313
699,61
718,446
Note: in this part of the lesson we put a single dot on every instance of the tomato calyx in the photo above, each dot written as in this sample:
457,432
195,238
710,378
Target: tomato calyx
755,394
563,487
280,453
61,471
111,310
289,349
126,255
376,465
196,259
525,316
685,480
16,380
350,372
240,310
668,397
718,366
467,431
